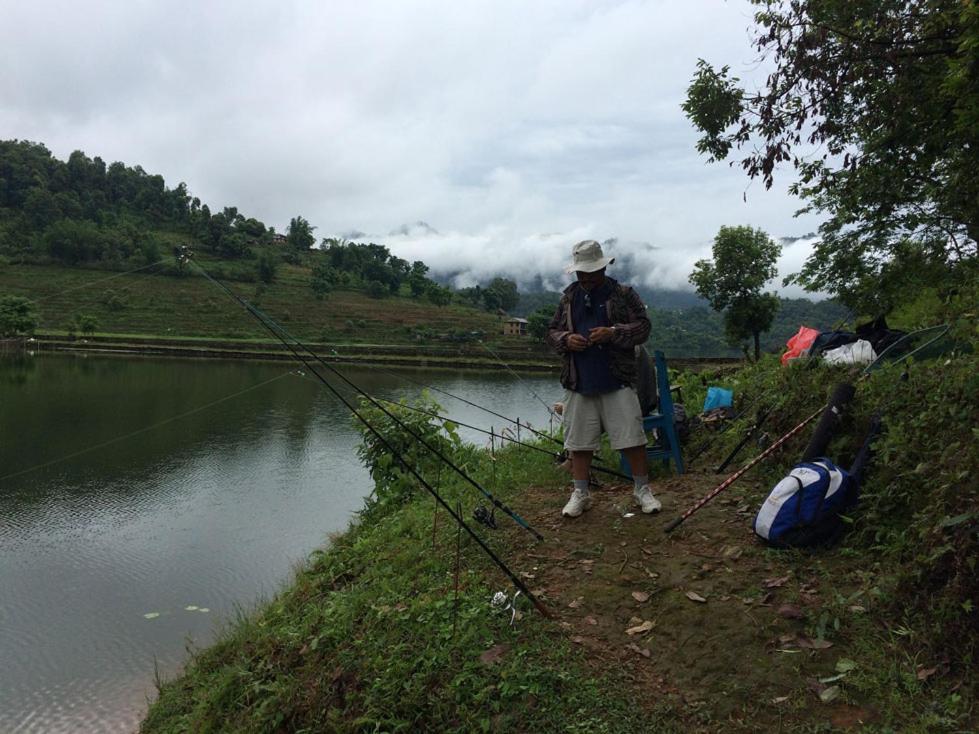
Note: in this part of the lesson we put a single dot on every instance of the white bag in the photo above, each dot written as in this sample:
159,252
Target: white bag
859,352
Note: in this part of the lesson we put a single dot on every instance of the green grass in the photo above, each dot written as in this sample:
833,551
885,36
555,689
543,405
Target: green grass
369,638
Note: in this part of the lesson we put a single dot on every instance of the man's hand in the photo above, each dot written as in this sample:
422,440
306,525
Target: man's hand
601,334
576,343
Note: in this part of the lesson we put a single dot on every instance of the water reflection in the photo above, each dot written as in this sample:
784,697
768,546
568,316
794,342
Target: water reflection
209,511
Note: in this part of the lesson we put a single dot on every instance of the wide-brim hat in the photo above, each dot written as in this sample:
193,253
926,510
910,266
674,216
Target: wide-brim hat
587,257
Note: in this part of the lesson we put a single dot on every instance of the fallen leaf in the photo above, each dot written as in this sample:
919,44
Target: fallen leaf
780,699
774,583
833,678
811,644
733,553
694,596
640,596
641,629
633,621
576,603
857,609
578,640
725,598
791,611
494,654
591,620
830,694
926,673
527,575
845,665
767,599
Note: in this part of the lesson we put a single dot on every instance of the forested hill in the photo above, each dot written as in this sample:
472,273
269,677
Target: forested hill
84,213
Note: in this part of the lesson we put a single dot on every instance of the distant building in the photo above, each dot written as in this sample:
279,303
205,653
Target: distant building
279,239
515,327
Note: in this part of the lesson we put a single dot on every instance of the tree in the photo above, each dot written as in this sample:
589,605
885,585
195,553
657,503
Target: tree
324,278
876,107
439,295
744,262
539,320
300,234
500,293
18,316
86,323
417,279
266,266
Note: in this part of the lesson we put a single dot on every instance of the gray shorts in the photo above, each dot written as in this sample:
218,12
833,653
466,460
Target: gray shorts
616,413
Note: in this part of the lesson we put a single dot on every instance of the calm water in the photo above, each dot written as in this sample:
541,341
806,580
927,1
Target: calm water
212,510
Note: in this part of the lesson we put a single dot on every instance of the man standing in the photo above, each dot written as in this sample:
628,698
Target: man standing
595,329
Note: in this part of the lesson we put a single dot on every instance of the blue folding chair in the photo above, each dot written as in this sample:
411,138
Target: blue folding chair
662,421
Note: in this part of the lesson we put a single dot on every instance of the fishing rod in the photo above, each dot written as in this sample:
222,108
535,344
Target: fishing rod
282,334
830,413
394,452
557,455
499,359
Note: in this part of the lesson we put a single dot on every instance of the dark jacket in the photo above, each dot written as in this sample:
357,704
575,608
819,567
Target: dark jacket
626,313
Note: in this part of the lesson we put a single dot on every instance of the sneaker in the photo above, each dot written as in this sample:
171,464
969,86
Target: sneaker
646,500
579,502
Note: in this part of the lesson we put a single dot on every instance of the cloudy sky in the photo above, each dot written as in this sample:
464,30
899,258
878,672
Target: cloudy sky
511,128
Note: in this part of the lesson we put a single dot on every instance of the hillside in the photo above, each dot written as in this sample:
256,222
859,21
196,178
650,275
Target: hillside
144,303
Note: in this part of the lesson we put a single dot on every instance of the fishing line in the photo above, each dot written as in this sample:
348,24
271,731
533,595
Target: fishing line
410,469
553,454
499,359
486,493
117,439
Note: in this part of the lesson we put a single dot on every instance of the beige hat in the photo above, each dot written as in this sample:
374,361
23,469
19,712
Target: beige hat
587,257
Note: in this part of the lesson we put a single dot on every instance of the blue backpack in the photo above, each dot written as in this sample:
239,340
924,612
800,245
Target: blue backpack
804,508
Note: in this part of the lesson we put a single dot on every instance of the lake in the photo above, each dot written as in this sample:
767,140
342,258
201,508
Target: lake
143,502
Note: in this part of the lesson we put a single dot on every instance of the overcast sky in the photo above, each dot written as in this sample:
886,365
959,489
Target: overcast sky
512,128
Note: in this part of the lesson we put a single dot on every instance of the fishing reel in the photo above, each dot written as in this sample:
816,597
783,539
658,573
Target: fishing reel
183,254
504,604
485,517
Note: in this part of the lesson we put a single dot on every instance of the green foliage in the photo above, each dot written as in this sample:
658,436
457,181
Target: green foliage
376,289
744,261
300,234
386,459
501,293
266,266
888,93
18,316
86,324
539,320
439,295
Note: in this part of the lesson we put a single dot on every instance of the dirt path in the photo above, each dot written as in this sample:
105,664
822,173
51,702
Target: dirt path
705,621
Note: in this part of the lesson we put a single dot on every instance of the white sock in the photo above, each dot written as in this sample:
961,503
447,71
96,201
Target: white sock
640,480
581,485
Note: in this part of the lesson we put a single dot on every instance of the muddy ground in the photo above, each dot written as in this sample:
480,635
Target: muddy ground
705,621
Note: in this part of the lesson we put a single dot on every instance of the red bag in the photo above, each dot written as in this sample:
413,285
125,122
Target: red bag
798,345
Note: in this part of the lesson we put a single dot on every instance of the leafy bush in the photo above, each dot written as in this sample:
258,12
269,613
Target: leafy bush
394,485
18,316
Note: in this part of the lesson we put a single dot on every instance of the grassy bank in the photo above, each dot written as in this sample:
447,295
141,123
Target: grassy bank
879,632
